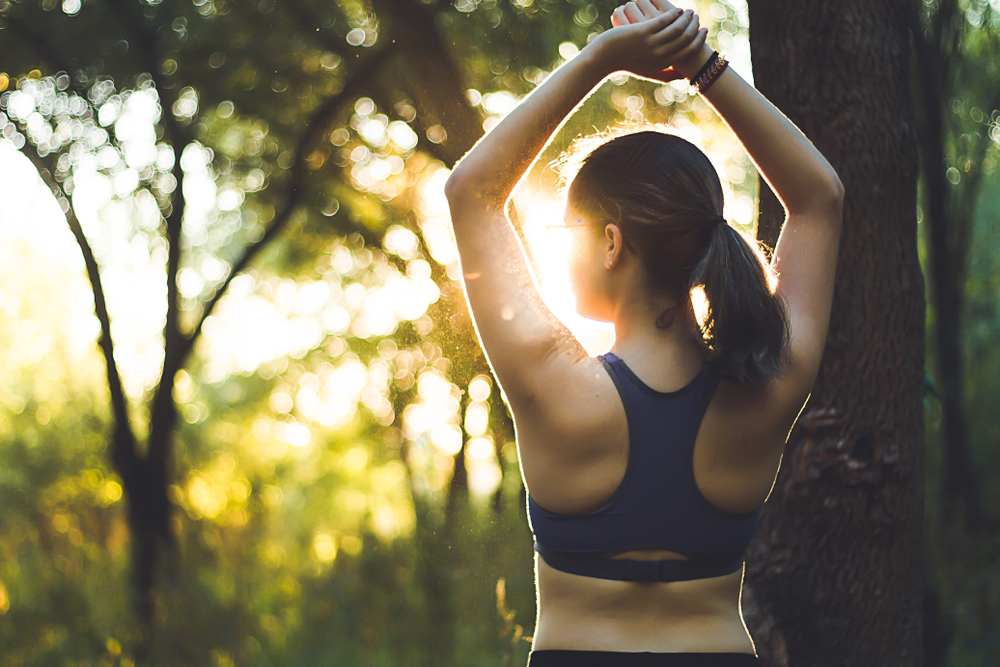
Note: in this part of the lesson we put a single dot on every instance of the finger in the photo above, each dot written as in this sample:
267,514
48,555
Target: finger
656,25
618,18
632,13
693,47
663,5
670,26
647,8
674,44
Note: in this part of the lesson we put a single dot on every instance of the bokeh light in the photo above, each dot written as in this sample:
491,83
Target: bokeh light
324,404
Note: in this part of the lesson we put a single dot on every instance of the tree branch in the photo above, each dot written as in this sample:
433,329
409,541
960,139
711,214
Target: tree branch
306,19
55,59
162,412
124,452
314,127
146,41
434,81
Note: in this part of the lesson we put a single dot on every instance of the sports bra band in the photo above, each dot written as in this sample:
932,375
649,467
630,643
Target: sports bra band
638,570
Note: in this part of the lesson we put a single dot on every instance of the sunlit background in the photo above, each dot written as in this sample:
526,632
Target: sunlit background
266,322
324,411
344,470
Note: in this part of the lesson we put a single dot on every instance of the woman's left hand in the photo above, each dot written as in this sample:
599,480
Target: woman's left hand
638,11
648,39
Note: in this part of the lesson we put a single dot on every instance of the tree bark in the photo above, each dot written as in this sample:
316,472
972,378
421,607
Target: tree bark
834,576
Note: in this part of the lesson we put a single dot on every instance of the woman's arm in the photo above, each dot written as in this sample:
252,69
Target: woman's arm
805,256
491,170
526,344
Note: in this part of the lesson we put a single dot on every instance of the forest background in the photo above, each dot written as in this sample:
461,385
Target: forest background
274,441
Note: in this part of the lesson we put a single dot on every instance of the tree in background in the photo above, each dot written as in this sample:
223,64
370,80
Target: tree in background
254,93
89,53
834,575
213,154
956,58
251,103
957,103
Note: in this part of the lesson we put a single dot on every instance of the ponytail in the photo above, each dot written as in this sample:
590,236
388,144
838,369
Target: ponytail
663,191
746,324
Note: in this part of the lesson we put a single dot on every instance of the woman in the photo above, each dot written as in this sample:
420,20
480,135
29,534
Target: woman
646,467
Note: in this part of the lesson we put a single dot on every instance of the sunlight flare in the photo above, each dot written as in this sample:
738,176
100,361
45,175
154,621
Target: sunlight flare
550,251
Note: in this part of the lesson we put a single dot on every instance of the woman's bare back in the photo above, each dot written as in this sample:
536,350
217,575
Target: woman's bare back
703,615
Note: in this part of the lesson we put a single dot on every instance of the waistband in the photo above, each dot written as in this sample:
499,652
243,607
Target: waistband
624,659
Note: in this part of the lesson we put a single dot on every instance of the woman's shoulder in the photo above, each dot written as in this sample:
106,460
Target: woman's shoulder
572,424
551,385
746,425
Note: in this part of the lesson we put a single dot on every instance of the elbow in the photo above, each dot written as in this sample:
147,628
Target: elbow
836,197
825,197
462,183
460,190
827,190
836,190
468,191
454,188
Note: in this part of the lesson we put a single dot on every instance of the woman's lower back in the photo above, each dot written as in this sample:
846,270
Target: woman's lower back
588,614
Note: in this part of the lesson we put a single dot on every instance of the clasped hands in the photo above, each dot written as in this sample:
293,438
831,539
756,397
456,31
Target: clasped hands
652,39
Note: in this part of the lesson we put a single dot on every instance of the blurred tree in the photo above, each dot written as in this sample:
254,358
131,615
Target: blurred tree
136,39
252,98
957,52
834,576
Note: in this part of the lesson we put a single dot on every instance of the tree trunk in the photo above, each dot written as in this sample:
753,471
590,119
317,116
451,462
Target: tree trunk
947,280
834,576
950,221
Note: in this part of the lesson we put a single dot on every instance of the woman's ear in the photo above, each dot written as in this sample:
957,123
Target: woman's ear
614,245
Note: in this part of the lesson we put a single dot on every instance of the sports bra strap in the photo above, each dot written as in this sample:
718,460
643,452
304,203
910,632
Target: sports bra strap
638,570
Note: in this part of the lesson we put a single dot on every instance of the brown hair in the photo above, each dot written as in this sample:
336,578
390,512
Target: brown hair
665,196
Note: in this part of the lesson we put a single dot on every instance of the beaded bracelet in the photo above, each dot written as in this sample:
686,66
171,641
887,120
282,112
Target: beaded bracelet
704,68
707,77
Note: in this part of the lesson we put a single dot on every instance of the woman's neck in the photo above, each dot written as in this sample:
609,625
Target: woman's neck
659,335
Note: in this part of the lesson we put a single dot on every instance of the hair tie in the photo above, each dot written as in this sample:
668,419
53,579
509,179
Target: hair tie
718,220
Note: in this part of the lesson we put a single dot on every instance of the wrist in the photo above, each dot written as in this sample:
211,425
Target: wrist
600,57
690,66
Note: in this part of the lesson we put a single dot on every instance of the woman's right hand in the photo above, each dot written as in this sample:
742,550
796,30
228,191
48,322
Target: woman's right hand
648,41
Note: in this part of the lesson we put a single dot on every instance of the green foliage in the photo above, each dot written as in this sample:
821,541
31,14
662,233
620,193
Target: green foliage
278,562
329,406
962,566
959,45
